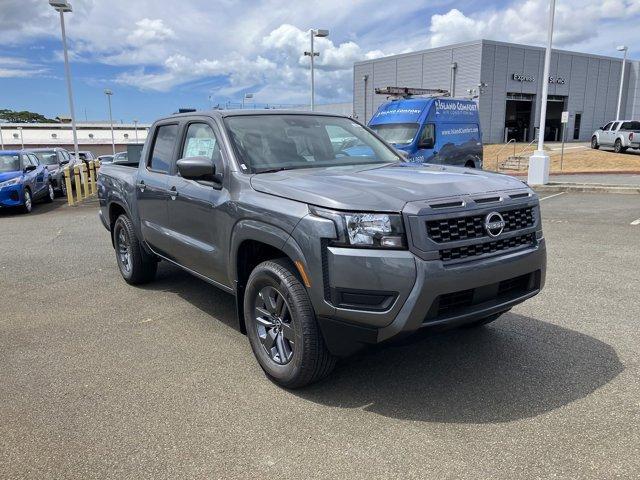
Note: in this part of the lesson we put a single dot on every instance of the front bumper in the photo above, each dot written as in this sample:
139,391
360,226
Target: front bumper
11,196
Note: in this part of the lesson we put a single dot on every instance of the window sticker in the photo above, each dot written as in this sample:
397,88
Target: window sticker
200,147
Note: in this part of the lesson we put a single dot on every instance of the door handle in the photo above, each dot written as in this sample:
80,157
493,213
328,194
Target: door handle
173,191
141,185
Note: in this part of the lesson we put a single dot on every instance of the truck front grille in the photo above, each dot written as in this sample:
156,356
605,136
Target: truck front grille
465,228
476,249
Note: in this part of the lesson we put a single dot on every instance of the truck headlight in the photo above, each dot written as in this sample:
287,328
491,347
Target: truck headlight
8,183
367,230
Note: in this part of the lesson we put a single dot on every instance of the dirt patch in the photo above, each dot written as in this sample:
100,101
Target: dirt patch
576,158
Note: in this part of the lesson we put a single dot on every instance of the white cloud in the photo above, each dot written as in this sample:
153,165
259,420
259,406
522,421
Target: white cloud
259,44
577,21
14,67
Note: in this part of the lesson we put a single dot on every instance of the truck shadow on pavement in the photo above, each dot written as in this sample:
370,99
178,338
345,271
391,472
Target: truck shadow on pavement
515,368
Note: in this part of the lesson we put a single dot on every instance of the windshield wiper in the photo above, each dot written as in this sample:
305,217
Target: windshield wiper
272,170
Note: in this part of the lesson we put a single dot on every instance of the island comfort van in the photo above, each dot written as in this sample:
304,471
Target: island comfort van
432,130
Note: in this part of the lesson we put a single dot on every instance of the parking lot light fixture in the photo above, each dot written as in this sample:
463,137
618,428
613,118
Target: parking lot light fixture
314,32
625,49
62,7
108,92
539,162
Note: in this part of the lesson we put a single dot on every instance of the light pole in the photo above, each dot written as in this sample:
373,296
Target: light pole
135,127
62,7
539,161
1,139
108,93
21,139
625,49
314,32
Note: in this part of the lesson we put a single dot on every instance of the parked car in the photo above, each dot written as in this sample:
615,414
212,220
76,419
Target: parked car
432,130
120,157
85,155
324,252
621,135
23,180
55,159
105,159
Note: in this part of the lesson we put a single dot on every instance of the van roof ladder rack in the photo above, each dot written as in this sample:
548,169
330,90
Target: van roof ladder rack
407,92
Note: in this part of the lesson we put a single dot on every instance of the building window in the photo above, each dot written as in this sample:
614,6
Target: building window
576,126
54,135
91,135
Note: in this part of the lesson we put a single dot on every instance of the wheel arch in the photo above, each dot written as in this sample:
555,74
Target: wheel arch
253,242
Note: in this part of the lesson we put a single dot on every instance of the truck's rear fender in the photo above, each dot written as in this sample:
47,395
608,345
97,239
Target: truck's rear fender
253,242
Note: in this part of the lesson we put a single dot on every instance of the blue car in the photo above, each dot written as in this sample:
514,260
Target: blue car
23,180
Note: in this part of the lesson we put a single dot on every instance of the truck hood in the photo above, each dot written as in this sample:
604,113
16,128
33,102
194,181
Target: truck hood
386,188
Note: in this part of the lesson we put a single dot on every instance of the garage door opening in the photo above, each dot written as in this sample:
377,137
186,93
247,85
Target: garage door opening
553,127
518,117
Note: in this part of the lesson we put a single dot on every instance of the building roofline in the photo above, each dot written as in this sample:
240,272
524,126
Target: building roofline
79,126
489,42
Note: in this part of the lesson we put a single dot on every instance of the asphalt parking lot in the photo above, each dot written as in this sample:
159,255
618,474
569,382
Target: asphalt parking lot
103,380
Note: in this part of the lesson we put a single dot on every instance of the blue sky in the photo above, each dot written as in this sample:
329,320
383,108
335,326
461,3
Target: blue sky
158,55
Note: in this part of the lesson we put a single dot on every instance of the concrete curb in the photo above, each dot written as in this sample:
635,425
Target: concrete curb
586,188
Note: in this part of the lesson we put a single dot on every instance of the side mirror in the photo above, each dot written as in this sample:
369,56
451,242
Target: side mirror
198,168
427,143
64,161
29,168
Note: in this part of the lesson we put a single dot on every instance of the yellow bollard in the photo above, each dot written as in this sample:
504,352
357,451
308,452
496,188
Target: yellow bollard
85,179
78,182
67,182
92,171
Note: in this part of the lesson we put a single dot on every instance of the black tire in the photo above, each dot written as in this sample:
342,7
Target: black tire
50,195
470,164
305,358
27,202
135,265
484,321
594,143
62,189
618,148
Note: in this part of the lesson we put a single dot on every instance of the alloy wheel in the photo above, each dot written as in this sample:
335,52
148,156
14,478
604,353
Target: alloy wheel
273,323
123,247
27,201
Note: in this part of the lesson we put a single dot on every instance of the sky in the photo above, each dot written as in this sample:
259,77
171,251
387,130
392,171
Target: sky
159,55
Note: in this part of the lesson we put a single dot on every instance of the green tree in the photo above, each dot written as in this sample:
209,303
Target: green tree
24,117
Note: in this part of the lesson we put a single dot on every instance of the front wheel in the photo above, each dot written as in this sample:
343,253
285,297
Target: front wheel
594,143
135,265
27,203
282,327
51,194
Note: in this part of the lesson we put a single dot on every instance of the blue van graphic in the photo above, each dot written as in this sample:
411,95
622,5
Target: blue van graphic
432,130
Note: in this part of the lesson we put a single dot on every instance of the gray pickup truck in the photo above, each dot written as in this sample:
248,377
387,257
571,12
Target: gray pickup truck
325,251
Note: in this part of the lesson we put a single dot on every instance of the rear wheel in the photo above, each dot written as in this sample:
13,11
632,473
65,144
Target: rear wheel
135,265
594,143
282,327
63,187
27,202
618,148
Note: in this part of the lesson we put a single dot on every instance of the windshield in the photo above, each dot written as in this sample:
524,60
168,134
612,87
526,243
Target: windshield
47,158
9,163
397,133
279,142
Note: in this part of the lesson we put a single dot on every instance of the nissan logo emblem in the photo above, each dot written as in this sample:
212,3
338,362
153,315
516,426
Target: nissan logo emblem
494,224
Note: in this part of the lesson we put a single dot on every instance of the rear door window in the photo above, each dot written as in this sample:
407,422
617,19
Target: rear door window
163,146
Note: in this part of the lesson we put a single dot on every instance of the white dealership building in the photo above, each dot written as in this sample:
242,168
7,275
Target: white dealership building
507,81
92,136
